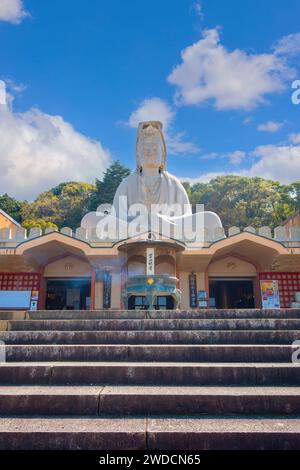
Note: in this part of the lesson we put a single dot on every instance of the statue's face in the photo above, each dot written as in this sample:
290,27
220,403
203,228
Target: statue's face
150,147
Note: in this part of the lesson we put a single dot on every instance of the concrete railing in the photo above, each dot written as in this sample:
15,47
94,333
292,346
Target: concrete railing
279,234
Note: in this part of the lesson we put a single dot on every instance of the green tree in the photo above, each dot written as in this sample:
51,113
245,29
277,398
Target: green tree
107,187
74,202
40,223
246,201
64,205
11,206
45,206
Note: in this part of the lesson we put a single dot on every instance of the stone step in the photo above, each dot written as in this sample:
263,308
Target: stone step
49,400
196,400
149,373
151,337
84,433
159,353
151,324
198,433
157,314
139,400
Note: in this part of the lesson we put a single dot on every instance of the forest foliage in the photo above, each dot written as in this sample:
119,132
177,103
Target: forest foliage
238,200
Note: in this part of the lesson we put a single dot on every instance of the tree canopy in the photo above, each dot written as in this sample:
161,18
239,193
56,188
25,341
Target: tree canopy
107,187
244,201
238,200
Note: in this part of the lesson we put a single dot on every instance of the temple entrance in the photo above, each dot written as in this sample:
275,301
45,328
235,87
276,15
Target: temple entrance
231,293
68,294
139,302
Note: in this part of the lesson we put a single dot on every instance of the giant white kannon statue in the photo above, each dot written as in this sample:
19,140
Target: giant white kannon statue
151,187
151,183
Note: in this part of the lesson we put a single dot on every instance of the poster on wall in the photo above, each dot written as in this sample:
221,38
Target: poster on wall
202,299
269,294
33,305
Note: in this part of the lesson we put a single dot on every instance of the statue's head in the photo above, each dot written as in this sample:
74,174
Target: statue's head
150,146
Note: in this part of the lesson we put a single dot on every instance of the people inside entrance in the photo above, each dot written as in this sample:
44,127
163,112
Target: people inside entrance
163,204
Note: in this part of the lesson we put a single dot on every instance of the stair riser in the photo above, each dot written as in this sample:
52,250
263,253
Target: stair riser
150,353
73,440
193,405
49,405
150,337
145,375
156,440
116,405
168,314
118,325
184,441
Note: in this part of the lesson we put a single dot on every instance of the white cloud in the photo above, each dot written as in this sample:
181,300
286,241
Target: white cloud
247,121
210,156
156,109
197,7
152,109
12,11
294,138
39,151
231,80
288,45
269,126
236,157
2,93
205,177
277,162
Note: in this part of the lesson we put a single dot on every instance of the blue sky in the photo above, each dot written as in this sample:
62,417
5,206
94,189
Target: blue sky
80,75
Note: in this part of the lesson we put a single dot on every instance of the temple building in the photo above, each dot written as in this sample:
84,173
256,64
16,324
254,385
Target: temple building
105,264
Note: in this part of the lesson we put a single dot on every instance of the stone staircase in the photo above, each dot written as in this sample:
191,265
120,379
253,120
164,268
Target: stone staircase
190,380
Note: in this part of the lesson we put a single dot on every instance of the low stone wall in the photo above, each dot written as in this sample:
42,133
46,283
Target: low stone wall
279,234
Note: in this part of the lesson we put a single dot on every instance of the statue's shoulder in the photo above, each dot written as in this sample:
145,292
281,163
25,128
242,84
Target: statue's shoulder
129,179
127,184
173,179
